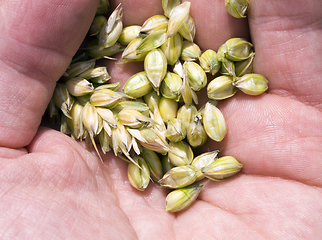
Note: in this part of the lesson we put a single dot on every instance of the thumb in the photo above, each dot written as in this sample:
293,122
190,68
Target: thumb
38,39
287,38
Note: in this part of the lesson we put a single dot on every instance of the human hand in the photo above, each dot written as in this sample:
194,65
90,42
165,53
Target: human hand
52,187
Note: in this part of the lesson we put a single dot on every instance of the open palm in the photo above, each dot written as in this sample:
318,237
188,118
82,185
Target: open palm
51,187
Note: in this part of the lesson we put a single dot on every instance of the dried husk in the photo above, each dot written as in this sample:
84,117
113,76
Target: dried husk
154,24
79,86
172,48
105,141
237,8
156,116
196,134
178,177
171,85
97,24
138,177
175,130
203,160
96,53
93,124
152,99
168,108
122,141
131,52
195,75
77,68
151,139
155,66
187,113
154,163
103,7
178,68
180,199
133,118
228,68
136,105
128,34
168,5
188,95
112,29
188,29
138,85
107,115
76,124
152,41
214,123
238,49
209,62
190,51
166,164
222,168
245,67
252,84
221,88
181,153
63,100
96,75
178,16
105,98
112,86
52,109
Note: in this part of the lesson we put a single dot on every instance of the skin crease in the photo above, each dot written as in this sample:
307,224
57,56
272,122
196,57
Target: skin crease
51,187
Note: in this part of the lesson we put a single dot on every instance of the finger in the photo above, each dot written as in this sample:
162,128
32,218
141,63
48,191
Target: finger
274,136
38,40
287,39
59,183
249,201
139,205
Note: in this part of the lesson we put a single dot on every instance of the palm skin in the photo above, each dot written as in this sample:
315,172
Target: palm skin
51,187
